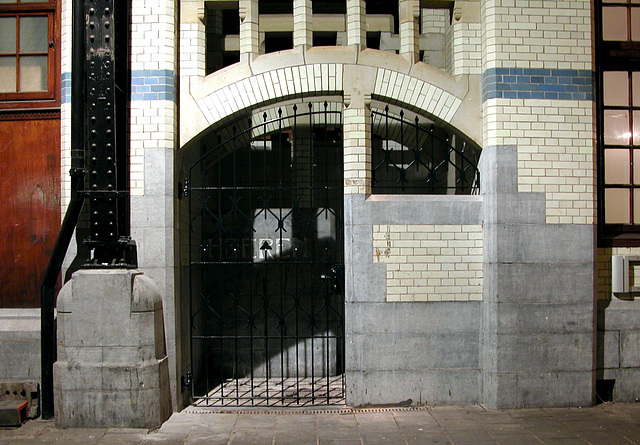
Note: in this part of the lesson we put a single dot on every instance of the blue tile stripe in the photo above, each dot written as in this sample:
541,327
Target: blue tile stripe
536,83
145,85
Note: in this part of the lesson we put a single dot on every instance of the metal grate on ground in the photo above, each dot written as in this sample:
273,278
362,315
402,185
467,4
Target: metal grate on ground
275,392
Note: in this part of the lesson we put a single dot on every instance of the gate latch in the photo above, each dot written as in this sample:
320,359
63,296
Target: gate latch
336,276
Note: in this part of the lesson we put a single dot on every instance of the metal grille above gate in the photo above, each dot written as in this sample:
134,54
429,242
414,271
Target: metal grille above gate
266,253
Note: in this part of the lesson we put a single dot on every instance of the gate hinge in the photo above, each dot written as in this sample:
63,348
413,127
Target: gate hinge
186,382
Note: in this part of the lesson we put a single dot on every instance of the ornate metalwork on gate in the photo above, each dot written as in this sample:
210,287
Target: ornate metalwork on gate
265,260
410,158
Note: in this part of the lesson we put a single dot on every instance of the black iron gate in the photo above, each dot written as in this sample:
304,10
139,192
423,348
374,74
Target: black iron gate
266,252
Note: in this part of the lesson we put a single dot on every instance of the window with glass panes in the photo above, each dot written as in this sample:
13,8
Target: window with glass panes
27,50
618,70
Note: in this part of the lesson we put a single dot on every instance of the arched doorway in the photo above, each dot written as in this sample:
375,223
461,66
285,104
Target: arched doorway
265,260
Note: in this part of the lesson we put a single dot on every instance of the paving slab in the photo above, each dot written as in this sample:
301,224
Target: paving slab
613,424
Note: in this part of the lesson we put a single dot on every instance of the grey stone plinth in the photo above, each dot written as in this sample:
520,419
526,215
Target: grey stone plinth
112,368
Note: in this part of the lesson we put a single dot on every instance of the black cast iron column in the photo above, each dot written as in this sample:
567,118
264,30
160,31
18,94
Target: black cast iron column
107,96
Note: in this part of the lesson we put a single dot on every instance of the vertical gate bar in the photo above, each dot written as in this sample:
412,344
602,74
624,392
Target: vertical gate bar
250,183
403,171
326,197
264,280
281,240
221,252
387,153
236,248
313,252
432,173
417,152
297,266
203,297
463,175
191,278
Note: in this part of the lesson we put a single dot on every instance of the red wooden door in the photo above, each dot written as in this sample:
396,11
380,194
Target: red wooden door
29,207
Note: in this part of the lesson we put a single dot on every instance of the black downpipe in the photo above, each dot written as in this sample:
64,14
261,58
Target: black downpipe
50,278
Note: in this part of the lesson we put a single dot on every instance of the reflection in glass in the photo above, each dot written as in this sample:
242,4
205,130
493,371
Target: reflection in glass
7,74
614,23
34,34
33,73
616,127
616,88
616,208
8,33
636,127
636,206
616,166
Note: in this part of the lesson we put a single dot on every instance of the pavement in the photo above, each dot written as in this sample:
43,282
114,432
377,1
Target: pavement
610,423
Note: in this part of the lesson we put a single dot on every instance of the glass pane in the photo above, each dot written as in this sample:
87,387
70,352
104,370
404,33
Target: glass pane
34,34
33,73
616,206
8,33
636,206
616,88
616,127
636,168
8,75
635,24
616,166
635,79
636,127
614,23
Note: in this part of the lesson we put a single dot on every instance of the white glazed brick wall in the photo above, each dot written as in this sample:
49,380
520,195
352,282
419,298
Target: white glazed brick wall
302,32
463,48
555,138
153,48
435,21
356,26
416,93
533,34
357,150
153,126
153,35
430,262
324,78
192,49
555,152
65,109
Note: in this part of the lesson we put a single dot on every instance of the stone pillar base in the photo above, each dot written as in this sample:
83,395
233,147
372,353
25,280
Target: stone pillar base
112,368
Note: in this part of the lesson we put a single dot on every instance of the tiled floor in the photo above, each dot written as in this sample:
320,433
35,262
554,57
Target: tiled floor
276,392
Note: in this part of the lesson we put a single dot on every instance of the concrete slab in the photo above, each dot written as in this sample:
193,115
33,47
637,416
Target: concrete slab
472,424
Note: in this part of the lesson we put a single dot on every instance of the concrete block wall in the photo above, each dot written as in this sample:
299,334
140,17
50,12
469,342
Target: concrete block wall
539,184
20,340
419,348
617,331
154,133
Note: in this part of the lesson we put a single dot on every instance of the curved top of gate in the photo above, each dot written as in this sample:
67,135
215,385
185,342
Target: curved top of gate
329,71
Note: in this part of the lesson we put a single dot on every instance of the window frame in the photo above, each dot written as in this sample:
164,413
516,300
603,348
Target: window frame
51,96
615,56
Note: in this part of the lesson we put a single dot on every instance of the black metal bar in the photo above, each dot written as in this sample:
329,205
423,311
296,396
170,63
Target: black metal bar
50,277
